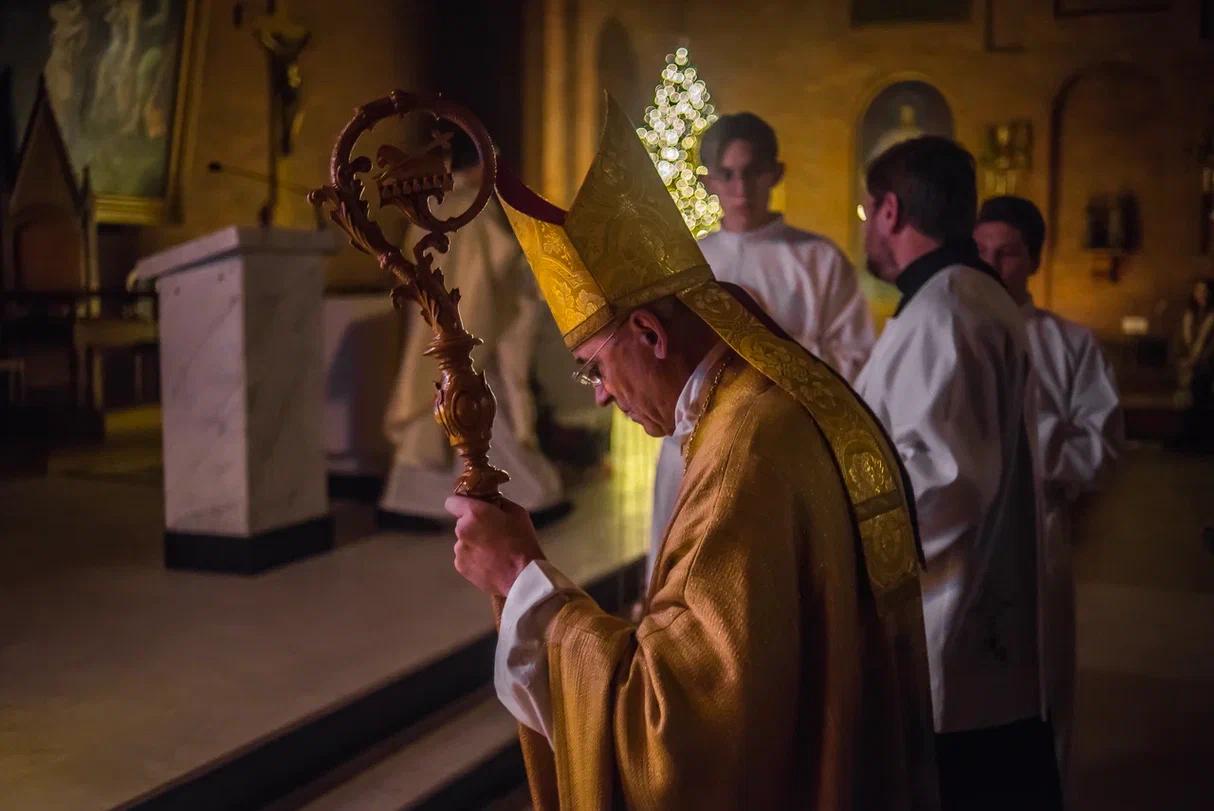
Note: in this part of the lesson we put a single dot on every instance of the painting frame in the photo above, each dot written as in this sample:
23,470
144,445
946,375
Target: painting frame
131,210
141,147
1089,8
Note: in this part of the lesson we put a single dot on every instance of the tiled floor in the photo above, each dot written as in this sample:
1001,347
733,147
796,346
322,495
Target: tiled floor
1145,704
116,675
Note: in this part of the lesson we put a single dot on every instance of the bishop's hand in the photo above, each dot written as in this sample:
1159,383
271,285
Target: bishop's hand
493,542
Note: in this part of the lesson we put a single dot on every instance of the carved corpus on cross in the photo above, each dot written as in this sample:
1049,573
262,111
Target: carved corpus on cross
409,181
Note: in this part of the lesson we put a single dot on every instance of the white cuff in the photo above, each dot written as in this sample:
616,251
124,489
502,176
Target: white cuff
520,666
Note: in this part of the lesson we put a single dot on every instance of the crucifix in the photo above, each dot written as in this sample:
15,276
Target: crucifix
283,40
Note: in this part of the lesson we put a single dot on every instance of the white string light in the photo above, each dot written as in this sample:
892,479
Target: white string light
672,128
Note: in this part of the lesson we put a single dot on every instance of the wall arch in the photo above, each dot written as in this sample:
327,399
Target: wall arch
1110,136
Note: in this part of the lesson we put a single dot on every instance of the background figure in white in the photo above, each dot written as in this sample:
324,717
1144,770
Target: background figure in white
501,307
951,380
1079,428
802,280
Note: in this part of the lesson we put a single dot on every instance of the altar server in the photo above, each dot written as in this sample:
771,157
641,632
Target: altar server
950,379
1079,427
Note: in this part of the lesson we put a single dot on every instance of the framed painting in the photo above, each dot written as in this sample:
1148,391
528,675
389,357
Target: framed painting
117,74
1076,8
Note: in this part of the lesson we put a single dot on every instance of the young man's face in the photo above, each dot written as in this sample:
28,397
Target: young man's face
743,181
1002,247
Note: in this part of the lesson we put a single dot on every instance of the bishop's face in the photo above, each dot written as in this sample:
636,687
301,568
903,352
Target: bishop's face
1002,247
624,366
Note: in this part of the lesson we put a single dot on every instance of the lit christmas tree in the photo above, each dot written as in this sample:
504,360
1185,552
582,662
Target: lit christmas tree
674,123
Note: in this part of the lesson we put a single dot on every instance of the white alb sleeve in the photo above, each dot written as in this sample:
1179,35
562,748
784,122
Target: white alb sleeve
520,666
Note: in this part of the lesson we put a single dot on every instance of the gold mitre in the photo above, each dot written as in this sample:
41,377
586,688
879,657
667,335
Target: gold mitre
622,244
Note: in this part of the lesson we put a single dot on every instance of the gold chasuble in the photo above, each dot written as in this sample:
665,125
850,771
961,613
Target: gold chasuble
780,662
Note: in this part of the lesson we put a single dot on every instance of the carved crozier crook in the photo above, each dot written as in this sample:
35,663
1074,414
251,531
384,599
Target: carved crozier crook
463,403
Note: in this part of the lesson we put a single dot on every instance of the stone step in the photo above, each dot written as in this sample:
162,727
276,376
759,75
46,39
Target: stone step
306,716
466,756
463,755
442,706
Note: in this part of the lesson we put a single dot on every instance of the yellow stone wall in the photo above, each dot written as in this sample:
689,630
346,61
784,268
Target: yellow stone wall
1115,100
359,51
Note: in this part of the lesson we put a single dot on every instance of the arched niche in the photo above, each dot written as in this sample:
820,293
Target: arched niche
1112,139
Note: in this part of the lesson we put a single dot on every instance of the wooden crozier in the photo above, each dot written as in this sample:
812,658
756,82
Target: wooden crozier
463,403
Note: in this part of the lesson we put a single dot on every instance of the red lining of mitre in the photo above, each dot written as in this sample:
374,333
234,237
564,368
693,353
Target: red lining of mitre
524,200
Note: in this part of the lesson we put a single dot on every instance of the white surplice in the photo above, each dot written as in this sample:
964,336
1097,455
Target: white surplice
1079,434
501,306
520,668
805,283
950,380
808,287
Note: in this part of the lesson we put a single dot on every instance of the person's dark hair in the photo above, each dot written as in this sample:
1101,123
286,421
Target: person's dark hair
746,127
933,179
1022,215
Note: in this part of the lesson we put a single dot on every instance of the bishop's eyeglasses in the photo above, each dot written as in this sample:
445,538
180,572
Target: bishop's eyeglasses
589,374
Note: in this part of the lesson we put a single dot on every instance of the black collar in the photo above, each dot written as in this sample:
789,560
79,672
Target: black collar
919,272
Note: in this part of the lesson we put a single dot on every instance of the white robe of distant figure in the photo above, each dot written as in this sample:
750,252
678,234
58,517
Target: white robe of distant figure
950,380
1080,433
501,306
809,288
